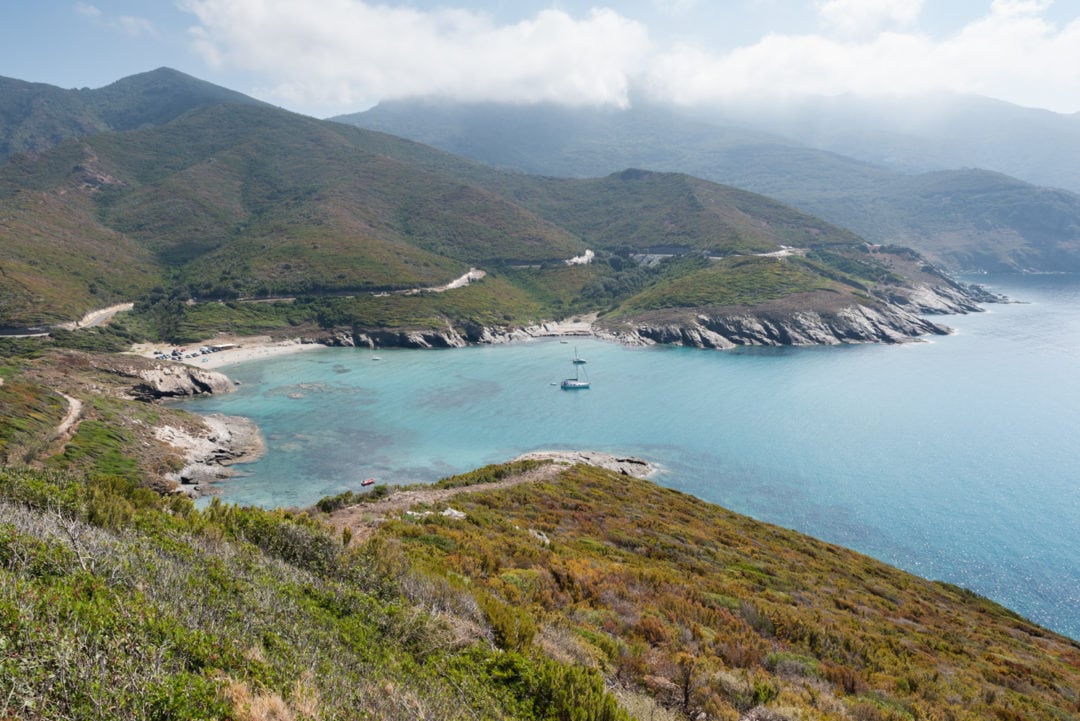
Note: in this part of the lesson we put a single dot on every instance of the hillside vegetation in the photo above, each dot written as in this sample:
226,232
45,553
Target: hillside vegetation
243,202
708,612
35,117
557,594
581,595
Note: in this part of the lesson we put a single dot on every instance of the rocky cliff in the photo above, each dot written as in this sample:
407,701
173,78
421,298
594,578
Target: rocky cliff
729,328
153,380
807,319
818,318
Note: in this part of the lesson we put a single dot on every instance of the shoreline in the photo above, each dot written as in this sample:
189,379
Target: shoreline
209,457
247,348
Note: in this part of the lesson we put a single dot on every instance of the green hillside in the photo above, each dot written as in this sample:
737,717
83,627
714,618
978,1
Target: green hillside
245,202
643,211
250,201
35,117
574,594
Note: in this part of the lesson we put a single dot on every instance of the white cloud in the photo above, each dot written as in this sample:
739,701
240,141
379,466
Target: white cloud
346,52
1012,53
334,56
858,17
135,27
87,10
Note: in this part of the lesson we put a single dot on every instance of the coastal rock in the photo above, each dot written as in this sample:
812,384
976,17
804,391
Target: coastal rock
209,452
430,338
153,380
344,340
730,328
819,321
626,465
940,299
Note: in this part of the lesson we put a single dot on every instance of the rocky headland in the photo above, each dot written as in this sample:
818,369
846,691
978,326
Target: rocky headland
818,318
175,450
623,465
211,452
775,325
151,380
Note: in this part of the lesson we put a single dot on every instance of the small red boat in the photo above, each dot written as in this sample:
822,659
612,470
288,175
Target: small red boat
368,482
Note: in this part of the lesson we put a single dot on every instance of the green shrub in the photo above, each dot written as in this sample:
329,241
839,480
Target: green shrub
513,626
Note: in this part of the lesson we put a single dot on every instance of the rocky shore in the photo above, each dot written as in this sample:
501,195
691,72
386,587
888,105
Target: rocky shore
817,320
211,454
152,380
766,327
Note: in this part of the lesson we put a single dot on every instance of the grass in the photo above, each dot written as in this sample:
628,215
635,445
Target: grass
99,447
206,320
745,281
29,413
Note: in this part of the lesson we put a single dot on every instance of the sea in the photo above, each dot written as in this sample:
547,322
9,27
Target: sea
956,458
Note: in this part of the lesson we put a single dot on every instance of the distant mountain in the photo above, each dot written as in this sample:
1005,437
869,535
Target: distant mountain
36,116
964,219
248,201
934,132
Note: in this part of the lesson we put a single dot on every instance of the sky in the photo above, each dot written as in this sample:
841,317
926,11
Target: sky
329,57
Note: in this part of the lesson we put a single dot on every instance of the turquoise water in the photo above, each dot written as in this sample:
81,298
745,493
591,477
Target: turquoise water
956,459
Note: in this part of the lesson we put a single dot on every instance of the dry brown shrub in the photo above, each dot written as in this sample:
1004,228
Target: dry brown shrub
251,705
305,697
562,644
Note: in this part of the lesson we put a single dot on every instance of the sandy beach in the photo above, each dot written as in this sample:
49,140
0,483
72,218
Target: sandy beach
246,349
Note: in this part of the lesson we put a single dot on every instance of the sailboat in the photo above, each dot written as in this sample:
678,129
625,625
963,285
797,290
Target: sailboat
577,382
578,360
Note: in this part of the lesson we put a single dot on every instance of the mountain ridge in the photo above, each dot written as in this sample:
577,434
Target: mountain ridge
880,203
36,116
233,201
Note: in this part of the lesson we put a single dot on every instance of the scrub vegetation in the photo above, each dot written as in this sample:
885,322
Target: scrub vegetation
704,611
588,595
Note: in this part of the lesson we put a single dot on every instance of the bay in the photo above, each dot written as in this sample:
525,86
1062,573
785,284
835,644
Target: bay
956,459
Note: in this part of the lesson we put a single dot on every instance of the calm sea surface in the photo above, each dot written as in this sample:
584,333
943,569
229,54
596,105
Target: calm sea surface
957,459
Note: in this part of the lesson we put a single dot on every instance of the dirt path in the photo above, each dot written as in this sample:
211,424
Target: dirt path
473,275
66,429
75,407
364,518
97,317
